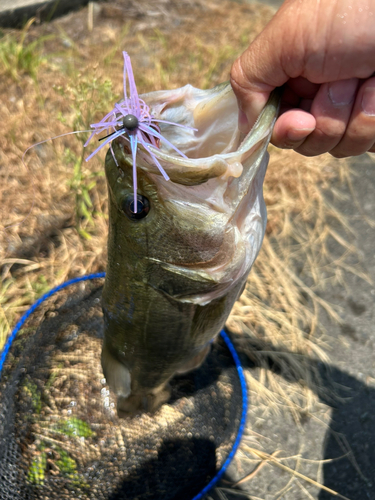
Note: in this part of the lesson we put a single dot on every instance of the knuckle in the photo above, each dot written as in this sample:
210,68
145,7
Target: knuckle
360,136
338,154
351,149
284,143
330,130
308,151
316,145
238,78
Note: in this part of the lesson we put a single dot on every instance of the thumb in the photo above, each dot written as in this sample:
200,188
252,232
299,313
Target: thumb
255,74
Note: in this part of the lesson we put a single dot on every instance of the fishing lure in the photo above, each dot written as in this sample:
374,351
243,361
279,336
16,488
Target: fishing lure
132,120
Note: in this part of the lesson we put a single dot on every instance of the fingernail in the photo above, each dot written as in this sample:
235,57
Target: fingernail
342,92
368,101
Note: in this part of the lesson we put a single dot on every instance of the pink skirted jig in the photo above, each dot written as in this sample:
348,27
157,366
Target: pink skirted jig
132,120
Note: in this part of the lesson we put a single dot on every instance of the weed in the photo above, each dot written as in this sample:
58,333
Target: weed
40,286
74,427
68,467
38,468
88,98
81,183
32,392
18,56
6,316
117,47
61,461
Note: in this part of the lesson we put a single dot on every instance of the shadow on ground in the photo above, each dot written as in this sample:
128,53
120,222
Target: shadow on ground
171,453
351,433
351,426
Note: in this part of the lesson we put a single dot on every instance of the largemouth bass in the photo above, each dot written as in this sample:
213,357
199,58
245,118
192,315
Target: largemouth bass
179,261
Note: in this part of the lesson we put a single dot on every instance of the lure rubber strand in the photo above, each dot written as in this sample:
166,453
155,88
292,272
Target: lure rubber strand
133,146
175,124
150,130
162,171
133,88
111,138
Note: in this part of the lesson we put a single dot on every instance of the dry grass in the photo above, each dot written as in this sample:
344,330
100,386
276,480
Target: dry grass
280,308
54,210
76,76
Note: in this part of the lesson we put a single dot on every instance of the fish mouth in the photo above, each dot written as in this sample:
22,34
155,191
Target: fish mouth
222,165
216,148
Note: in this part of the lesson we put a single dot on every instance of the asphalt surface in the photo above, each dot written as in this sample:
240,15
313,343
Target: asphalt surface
352,352
342,431
15,13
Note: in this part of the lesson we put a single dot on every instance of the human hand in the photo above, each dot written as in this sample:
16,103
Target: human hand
323,51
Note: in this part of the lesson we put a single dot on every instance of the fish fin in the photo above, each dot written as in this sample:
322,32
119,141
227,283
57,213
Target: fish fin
194,362
117,375
183,284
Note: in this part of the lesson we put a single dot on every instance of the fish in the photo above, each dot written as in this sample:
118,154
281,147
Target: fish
181,247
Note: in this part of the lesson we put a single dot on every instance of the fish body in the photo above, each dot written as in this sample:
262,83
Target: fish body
177,264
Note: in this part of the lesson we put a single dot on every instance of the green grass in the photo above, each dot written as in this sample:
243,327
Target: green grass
18,56
90,99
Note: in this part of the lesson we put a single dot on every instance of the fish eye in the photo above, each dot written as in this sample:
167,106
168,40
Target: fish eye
143,207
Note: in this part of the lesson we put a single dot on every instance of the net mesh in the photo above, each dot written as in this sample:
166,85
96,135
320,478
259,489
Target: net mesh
60,437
